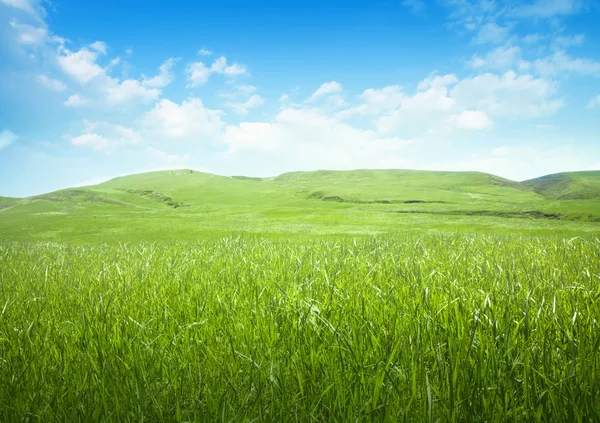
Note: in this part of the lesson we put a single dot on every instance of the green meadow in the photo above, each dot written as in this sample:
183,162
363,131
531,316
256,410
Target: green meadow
187,205
391,295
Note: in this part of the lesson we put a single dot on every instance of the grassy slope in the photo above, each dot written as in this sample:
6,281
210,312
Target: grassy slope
568,186
189,205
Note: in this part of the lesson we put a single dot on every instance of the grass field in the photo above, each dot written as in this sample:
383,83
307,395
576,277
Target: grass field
187,205
313,296
428,329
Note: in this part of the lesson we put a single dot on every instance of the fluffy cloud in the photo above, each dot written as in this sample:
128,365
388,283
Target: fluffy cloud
188,120
7,138
395,110
31,7
500,58
220,66
198,72
75,101
145,91
99,46
164,77
242,108
29,34
301,136
509,95
131,90
561,62
51,84
472,119
105,136
547,8
594,102
442,103
325,89
204,52
80,65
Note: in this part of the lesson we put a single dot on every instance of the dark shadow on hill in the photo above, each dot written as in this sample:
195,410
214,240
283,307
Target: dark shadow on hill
527,214
319,195
155,196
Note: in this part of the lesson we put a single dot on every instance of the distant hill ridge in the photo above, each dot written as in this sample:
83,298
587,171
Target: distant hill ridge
186,204
560,186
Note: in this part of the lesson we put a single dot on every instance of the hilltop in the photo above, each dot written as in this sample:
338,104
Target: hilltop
186,204
567,186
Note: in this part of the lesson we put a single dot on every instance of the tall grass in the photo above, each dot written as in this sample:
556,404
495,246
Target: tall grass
436,329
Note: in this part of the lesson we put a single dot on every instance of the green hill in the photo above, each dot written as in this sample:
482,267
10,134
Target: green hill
185,204
568,186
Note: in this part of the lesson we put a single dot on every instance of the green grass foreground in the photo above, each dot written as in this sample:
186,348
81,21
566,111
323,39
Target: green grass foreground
430,329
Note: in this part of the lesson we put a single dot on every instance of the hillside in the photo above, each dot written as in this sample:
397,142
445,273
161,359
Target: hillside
567,186
185,204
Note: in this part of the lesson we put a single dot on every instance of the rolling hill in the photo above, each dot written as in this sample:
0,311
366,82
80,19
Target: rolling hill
567,186
185,204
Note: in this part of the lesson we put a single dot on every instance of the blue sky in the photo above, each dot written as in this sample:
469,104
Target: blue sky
94,90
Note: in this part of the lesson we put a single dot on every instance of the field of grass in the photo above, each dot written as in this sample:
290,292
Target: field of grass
420,329
388,295
187,205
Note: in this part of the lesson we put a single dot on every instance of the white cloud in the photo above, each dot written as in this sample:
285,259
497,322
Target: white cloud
508,95
326,88
472,119
242,108
428,108
51,84
567,41
594,102
76,101
31,7
80,65
131,90
105,136
491,33
99,46
204,52
189,120
252,136
437,81
7,138
547,8
561,62
419,112
220,66
298,137
164,77
29,34
383,99
500,58
198,72
443,103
